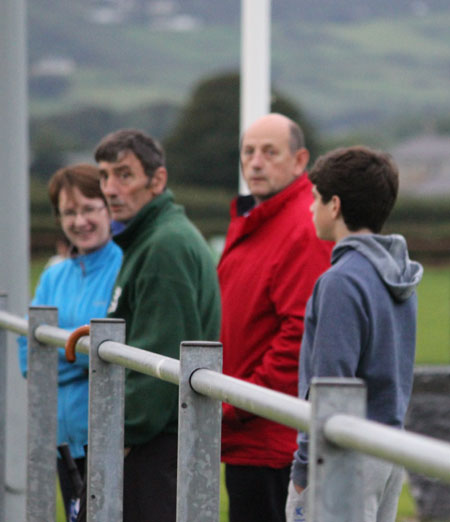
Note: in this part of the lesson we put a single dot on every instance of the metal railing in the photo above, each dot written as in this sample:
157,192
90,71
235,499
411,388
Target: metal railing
334,419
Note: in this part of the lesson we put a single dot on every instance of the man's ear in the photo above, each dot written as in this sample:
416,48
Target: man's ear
335,206
158,181
302,158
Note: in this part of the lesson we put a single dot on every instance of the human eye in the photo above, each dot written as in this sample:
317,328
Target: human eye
88,210
68,213
124,175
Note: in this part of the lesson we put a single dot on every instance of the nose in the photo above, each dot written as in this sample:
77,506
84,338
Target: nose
80,219
256,160
108,186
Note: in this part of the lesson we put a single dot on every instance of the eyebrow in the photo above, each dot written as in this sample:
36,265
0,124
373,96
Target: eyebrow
120,168
117,169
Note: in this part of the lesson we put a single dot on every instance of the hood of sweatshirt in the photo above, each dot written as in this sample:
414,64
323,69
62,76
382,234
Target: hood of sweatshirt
389,255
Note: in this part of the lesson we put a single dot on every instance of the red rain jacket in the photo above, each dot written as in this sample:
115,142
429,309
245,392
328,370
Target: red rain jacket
271,260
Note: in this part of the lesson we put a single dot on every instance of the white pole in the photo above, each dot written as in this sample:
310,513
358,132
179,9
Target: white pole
14,202
255,64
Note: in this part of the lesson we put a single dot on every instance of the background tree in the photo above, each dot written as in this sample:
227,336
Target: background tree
203,147
79,130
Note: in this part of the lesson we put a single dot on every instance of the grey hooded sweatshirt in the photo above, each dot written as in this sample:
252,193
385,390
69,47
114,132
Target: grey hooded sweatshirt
361,322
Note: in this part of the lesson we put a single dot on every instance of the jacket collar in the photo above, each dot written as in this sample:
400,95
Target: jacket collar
94,260
242,225
265,210
143,220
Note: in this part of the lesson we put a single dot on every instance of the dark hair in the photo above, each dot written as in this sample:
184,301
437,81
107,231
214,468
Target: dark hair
147,150
84,177
365,180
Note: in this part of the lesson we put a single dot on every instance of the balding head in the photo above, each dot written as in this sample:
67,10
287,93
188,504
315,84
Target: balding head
273,120
272,155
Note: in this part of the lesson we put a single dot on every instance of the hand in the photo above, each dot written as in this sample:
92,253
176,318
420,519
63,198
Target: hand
298,489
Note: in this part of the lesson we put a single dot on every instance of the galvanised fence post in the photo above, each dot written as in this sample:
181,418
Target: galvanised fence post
199,437
335,475
42,383
3,347
106,426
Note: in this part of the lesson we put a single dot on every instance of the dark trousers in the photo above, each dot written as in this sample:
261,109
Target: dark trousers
257,494
65,482
150,482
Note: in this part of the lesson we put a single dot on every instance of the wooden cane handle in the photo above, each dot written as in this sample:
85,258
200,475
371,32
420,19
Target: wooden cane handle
71,342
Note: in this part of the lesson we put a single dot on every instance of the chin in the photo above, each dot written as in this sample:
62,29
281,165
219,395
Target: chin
261,196
88,249
120,218
89,246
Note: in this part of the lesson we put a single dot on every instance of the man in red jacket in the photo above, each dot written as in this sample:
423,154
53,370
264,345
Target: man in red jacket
271,260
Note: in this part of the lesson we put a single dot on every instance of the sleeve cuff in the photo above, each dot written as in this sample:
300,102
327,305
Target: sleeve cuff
299,474
299,469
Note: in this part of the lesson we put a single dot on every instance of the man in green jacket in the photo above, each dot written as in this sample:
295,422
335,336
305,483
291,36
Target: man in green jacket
167,292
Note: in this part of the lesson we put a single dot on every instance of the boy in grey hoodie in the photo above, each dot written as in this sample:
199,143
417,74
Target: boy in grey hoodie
361,319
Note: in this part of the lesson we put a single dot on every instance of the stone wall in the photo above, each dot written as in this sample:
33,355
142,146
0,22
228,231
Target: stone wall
429,414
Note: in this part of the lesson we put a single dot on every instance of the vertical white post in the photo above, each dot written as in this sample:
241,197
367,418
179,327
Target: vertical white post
255,64
14,204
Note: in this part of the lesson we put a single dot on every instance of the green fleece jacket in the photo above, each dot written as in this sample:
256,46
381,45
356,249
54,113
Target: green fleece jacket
167,292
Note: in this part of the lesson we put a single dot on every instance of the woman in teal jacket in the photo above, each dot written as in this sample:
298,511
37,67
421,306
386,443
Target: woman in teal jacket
80,287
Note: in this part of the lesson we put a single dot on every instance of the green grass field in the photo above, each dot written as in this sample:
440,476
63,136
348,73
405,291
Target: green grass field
433,347
433,330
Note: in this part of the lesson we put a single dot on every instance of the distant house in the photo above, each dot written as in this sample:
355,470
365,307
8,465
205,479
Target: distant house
53,66
160,14
424,164
51,76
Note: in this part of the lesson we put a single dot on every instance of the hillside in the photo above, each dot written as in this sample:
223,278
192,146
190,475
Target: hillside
348,65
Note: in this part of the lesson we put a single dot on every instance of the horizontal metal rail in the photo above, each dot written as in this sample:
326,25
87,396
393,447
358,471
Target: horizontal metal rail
15,324
165,368
270,404
416,452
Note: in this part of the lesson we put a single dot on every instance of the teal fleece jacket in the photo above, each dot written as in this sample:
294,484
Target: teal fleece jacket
81,289
167,292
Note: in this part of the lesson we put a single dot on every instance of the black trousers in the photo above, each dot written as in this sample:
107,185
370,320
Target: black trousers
150,482
257,494
65,483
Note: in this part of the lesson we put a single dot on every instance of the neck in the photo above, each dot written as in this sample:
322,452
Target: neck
343,233
83,252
